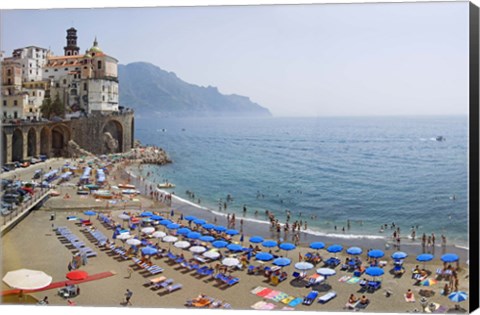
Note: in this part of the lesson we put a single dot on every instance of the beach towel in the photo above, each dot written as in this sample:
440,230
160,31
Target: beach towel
344,279
295,302
280,297
287,300
286,308
257,290
410,300
272,294
353,280
264,292
261,305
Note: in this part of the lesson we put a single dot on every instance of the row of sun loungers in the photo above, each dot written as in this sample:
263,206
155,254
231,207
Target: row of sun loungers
227,279
152,269
163,283
74,241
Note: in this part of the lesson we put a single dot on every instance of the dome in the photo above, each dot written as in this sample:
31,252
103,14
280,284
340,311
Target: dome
95,48
87,55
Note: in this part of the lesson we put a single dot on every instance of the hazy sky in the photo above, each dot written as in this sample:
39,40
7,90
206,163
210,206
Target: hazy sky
296,60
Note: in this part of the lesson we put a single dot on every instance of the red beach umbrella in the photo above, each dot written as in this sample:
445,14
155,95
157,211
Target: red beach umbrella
77,275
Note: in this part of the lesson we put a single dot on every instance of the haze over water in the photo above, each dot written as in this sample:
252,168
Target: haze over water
369,170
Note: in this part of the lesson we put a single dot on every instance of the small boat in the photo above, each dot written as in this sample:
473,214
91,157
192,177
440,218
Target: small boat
130,191
440,138
166,185
103,194
82,192
126,186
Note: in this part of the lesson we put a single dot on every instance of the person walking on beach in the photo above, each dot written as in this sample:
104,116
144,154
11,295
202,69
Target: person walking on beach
129,272
128,296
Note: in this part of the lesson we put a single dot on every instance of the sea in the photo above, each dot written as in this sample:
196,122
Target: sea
346,177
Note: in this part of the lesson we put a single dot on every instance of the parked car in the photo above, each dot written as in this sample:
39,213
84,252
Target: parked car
25,163
10,166
42,157
4,211
11,198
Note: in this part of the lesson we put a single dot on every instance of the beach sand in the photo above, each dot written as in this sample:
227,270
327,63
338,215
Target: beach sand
33,244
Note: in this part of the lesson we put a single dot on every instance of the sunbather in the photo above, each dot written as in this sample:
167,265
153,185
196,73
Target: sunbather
409,297
352,301
364,300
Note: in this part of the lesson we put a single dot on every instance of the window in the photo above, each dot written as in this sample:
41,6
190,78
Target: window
15,115
85,86
9,72
66,69
33,93
5,114
46,70
64,81
103,88
99,64
15,102
4,102
56,70
57,85
30,110
103,98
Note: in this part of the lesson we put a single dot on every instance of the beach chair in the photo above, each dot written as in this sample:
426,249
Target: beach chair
164,284
308,300
232,281
155,281
298,275
327,297
314,279
153,270
373,286
361,306
174,287
202,303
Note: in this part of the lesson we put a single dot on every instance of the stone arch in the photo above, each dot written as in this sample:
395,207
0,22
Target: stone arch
17,145
113,136
45,140
32,142
4,148
60,136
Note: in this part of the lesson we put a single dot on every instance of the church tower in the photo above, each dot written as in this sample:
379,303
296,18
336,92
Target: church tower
71,49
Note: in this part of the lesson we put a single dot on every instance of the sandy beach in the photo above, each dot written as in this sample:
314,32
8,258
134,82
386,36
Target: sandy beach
33,244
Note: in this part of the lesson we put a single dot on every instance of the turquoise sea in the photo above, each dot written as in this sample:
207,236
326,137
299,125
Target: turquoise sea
369,170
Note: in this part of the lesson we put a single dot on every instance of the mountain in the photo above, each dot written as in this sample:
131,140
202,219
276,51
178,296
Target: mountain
148,89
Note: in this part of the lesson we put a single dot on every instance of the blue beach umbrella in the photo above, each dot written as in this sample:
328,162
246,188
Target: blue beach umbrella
287,246
264,256
199,221
459,296
256,239
399,255
165,222
220,228
282,262
146,214
156,217
235,247
194,235
206,238
317,245
334,248
232,232
374,271
190,218
424,258
269,243
183,231
173,226
449,258
89,213
354,251
208,226
376,253
149,251
219,244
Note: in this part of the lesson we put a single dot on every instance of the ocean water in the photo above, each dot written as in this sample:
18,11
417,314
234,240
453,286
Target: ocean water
368,170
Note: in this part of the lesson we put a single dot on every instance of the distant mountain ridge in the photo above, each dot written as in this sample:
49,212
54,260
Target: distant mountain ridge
148,89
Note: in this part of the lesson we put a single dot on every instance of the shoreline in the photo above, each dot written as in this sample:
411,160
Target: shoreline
262,227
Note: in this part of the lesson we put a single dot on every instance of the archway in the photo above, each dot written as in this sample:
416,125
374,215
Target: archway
45,135
132,133
17,145
32,143
113,137
4,151
60,138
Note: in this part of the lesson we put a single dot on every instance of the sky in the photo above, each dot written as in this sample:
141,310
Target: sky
296,60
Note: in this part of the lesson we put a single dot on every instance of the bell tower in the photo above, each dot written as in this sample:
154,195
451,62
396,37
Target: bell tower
71,49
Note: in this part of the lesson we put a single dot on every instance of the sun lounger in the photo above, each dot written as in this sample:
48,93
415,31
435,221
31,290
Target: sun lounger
164,284
314,279
174,287
202,303
372,286
232,281
156,280
327,297
154,269
361,306
332,262
308,300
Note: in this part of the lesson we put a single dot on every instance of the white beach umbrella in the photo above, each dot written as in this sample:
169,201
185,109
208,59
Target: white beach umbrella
303,266
211,255
26,279
148,230
159,234
124,216
197,249
170,239
182,244
326,272
124,236
230,262
134,241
